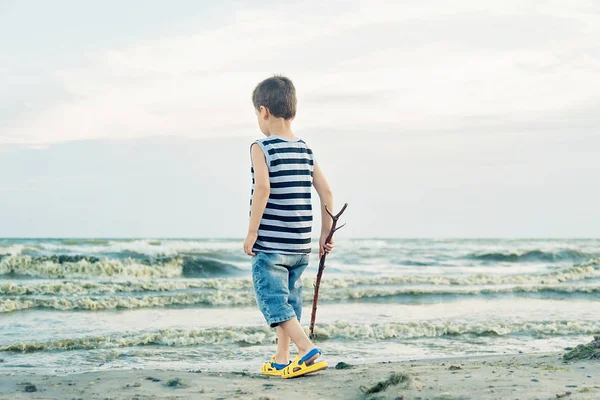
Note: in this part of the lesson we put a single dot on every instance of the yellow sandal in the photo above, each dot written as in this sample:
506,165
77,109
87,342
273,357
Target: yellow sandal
271,368
299,367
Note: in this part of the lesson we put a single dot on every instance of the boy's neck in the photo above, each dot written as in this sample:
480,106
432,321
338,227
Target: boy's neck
281,128
284,135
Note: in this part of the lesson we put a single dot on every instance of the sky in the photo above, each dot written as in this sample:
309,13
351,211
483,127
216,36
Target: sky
430,118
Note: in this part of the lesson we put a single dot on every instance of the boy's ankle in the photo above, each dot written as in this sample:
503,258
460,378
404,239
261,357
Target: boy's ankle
304,350
282,358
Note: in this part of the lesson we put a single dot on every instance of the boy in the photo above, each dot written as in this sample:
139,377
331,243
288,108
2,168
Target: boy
283,171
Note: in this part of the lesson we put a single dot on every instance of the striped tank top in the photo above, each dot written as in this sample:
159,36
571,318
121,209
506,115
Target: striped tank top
287,220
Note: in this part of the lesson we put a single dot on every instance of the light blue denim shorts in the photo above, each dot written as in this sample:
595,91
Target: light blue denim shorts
278,285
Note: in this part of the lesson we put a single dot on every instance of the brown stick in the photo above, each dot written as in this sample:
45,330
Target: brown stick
313,315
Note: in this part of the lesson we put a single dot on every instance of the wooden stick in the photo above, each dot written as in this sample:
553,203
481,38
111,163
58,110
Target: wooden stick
313,315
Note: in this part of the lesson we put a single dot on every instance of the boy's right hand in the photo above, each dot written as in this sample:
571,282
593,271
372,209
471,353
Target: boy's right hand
249,243
325,248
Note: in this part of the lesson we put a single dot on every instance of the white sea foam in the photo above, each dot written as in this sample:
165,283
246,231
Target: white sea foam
42,268
338,331
246,297
11,250
215,298
88,287
148,247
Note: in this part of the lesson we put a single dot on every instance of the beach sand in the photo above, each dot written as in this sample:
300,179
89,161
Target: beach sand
518,376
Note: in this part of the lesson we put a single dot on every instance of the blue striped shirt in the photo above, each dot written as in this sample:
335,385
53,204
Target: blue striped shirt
287,220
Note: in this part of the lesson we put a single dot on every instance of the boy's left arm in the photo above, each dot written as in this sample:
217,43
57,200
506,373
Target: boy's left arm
262,189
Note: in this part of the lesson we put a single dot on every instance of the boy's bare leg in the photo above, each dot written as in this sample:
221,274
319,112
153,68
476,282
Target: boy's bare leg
293,329
282,356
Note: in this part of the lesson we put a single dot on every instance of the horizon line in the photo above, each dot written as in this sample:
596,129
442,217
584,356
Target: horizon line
241,238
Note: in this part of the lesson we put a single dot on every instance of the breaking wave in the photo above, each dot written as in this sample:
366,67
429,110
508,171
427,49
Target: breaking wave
79,266
534,256
585,271
11,250
245,336
22,288
247,297
211,298
118,247
85,267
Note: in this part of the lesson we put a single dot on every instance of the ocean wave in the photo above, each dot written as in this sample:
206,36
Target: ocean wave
585,270
580,272
11,250
366,294
534,256
206,266
245,336
80,266
247,297
65,288
416,263
210,298
139,247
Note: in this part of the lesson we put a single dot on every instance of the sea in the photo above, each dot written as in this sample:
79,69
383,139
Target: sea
75,305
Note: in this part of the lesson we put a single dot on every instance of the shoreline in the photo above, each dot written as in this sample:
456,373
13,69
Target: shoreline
508,376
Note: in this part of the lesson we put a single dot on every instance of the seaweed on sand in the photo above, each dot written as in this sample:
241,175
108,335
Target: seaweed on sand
585,351
394,379
175,382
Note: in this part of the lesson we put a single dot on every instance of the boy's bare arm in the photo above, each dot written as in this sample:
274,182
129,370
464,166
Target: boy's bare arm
326,195
262,188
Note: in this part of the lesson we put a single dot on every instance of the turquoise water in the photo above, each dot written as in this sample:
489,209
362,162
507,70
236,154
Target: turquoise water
78,304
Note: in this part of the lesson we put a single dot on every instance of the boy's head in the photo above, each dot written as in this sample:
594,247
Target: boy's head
274,97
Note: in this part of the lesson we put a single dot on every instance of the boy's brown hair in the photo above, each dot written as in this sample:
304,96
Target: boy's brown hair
278,94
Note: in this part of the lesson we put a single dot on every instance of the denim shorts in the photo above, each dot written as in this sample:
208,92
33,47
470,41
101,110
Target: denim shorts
278,285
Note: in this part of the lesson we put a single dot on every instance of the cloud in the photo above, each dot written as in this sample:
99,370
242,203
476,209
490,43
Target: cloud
408,66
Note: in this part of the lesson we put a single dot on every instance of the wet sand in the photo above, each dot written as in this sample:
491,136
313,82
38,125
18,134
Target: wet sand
518,376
